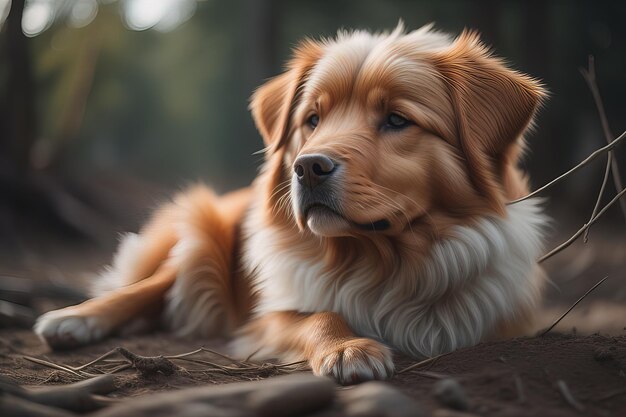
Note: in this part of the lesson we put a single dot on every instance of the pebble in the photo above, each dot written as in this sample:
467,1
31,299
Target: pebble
451,394
295,395
378,399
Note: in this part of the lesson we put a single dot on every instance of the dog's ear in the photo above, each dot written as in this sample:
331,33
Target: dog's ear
493,107
273,102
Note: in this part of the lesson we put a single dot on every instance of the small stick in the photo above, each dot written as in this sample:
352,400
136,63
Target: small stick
148,365
582,229
252,354
184,355
605,179
52,365
583,163
432,375
422,363
567,395
219,354
590,77
200,362
93,362
572,307
119,368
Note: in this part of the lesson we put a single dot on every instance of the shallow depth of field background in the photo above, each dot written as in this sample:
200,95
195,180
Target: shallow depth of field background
108,106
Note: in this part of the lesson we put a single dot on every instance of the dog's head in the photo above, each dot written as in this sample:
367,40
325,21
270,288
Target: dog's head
375,133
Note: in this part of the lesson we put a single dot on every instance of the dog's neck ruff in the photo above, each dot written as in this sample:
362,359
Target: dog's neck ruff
455,296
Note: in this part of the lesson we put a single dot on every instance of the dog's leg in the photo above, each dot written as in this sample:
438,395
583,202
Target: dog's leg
132,288
324,339
98,317
206,299
179,265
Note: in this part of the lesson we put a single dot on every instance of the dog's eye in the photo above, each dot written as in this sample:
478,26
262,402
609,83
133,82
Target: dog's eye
396,122
313,121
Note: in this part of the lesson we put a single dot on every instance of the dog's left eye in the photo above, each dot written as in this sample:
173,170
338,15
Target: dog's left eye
396,122
313,121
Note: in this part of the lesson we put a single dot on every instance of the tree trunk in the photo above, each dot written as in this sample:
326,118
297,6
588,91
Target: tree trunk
18,124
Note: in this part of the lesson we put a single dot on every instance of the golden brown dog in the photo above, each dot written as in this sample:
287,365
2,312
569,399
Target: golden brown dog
379,221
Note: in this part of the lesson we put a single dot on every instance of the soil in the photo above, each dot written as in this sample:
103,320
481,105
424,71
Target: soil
579,369
518,377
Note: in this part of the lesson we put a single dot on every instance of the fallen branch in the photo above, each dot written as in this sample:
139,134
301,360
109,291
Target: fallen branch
14,406
78,397
17,314
572,307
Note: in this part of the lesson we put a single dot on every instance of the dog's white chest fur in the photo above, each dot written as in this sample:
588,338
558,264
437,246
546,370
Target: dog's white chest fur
468,284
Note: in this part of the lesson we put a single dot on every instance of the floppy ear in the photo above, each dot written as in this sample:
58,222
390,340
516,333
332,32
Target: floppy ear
273,102
493,106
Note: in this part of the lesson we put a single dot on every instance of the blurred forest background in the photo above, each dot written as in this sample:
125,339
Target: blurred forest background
106,107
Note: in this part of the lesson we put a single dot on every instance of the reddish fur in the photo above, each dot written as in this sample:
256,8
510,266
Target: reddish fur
474,157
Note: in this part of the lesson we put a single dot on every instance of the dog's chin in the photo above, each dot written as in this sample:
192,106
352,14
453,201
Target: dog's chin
325,222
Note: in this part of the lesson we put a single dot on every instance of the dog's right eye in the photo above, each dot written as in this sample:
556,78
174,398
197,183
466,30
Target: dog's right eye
313,121
396,122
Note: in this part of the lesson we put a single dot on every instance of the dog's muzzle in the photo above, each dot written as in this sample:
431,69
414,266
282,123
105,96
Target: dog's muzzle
316,186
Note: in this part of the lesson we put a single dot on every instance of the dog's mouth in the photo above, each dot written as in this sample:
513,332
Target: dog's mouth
327,221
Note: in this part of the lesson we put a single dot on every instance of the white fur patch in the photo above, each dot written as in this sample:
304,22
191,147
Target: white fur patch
124,262
64,328
352,365
453,298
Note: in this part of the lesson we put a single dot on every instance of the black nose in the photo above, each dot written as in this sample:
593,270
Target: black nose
313,169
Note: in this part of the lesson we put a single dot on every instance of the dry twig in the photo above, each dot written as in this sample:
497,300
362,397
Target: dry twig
611,165
582,164
605,179
573,305
147,365
422,363
589,75
582,229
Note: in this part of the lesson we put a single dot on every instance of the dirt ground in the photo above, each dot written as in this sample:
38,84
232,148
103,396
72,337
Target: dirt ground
578,369
518,377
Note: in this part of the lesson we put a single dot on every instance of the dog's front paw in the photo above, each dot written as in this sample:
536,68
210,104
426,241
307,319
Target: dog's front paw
65,328
354,361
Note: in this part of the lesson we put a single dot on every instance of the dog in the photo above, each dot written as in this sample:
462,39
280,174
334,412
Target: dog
379,221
